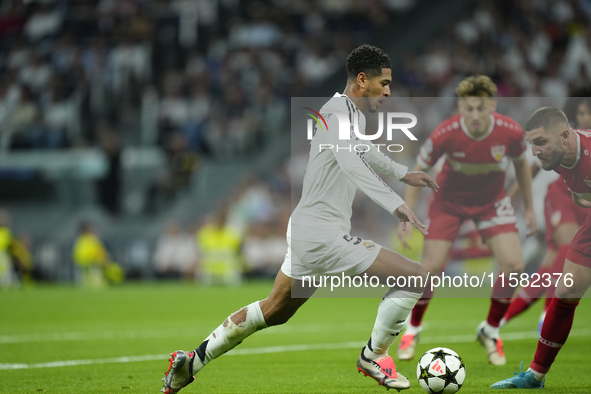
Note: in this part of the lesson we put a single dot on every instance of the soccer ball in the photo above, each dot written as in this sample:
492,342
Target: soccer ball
441,371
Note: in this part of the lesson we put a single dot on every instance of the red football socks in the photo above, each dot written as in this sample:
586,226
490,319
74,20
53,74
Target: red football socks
416,317
557,325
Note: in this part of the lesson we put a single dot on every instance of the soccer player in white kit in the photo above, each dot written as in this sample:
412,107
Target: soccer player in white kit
318,233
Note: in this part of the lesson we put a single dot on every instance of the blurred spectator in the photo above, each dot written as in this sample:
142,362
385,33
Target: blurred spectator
252,202
36,73
16,262
19,54
95,58
12,20
25,112
59,118
91,256
64,53
264,249
43,22
22,259
131,64
220,248
98,68
317,62
109,186
24,121
177,176
6,274
260,210
175,256
174,107
199,106
259,31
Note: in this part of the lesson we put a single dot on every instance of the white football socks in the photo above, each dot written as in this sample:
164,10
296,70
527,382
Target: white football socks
228,335
538,375
414,330
392,314
490,331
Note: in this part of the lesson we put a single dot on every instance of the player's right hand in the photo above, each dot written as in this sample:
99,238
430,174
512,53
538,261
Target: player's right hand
405,214
420,178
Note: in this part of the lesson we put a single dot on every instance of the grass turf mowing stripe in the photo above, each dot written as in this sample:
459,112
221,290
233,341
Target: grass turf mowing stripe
140,334
280,349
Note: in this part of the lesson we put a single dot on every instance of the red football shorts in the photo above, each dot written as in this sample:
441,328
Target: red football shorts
559,208
445,217
580,247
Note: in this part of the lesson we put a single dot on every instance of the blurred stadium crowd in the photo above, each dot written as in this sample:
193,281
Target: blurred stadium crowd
213,80
530,48
210,70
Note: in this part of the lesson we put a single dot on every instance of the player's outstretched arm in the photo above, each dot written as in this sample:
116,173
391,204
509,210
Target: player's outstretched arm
421,179
411,197
514,191
523,175
412,194
405,214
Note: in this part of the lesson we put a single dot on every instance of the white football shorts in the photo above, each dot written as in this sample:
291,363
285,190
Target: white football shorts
343,253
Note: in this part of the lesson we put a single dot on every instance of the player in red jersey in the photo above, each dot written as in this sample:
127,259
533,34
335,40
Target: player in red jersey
566,151
478,144
563,218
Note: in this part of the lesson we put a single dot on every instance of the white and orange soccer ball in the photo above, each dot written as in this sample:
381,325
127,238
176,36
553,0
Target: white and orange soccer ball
441,371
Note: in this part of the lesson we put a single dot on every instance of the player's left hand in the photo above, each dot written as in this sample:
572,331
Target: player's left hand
405,214
420,178
530,221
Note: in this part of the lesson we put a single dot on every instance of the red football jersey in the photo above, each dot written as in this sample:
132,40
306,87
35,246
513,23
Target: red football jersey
474,168
578,177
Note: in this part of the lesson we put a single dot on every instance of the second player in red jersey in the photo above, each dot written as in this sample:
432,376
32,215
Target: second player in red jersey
478,144
562,217
578,178
566,151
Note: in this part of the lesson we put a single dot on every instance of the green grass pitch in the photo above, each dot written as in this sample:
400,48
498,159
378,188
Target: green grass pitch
69,340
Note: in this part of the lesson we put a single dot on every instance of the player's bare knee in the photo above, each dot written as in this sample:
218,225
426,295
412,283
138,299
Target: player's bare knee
568,294
431,266
513,266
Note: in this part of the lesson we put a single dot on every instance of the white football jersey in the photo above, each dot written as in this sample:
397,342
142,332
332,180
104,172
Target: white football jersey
334,174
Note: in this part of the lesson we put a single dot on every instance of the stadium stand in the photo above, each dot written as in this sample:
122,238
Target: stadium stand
131,113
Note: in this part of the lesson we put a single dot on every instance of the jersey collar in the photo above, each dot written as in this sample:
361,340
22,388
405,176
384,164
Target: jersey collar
483,136
337,94
578,153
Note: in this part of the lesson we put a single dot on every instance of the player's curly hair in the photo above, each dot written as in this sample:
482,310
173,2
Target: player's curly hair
477,86
367,59
577,96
